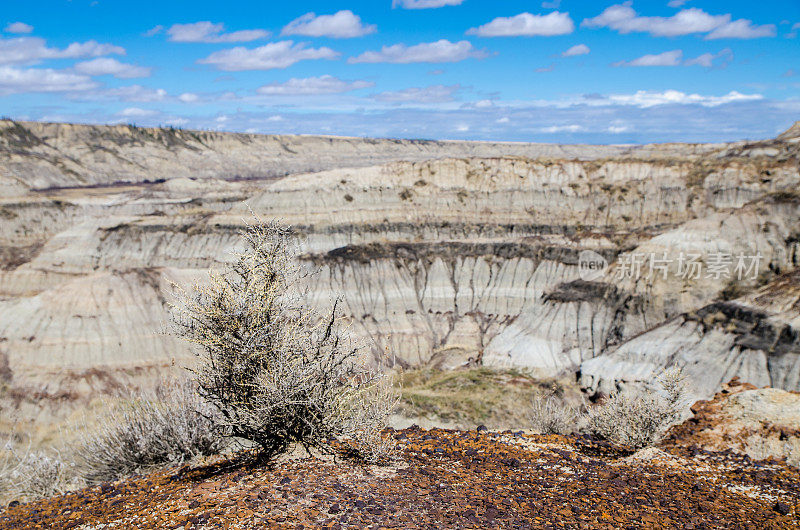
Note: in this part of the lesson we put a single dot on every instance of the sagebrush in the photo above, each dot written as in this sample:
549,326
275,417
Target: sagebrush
550,415
639,419
168,426
40,474
634,418
278,372
28,475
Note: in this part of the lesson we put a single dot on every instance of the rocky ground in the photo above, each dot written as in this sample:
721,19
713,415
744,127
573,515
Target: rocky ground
725,467
448,479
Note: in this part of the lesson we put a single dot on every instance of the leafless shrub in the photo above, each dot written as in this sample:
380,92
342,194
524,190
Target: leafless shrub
550,415
9,462
165,427
26,475
277,372
639,419
40,474
366,418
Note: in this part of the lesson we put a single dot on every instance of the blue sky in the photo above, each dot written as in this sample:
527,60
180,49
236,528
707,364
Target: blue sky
552,71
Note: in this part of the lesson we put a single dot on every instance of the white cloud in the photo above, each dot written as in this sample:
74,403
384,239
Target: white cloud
325,84
108,66
675,58
707,59
189,97
578,49
563,128
526,25
462,128
793,32
30,50
647,99
691,118
554,4
441,51
177,122
273,55
206,31
676,3
18,81
132,93
742,29
671,58
18,27
624,19
136,112
342,25
155,30
430,94
424,4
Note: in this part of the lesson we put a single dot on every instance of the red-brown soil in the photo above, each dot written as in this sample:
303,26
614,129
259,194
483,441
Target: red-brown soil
447,479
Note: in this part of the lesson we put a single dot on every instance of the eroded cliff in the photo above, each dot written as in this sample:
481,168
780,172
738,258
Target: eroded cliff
446,253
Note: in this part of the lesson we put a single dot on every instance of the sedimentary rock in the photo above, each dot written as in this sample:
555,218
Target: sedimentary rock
446,253
760,422
755,337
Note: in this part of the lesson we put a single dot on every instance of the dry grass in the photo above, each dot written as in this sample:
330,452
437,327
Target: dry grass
474,396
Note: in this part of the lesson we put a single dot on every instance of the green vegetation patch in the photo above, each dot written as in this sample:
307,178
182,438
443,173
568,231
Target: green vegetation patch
473,396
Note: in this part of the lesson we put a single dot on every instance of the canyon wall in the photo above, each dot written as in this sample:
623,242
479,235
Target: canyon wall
445,253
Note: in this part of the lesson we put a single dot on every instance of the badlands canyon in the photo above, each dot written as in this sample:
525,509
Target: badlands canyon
445,254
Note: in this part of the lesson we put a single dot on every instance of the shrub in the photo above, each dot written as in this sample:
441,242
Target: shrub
165,427
549,415
278,372
32,475
39,474
367,415
639,419
635,418
9,462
